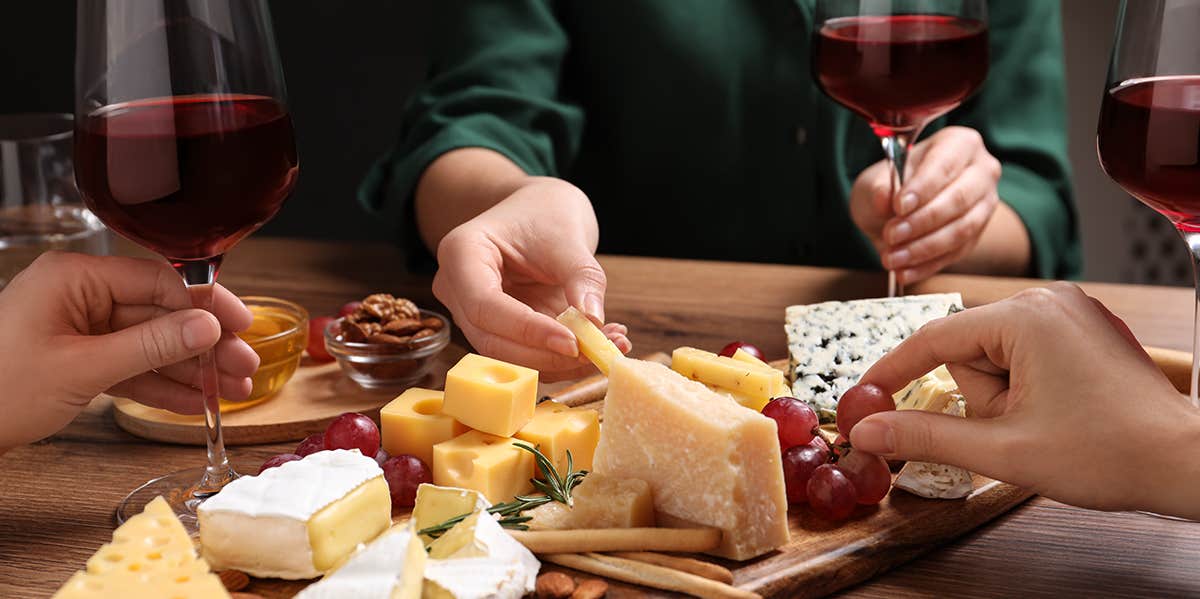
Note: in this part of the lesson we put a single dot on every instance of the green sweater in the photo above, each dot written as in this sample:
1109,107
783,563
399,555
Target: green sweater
696,128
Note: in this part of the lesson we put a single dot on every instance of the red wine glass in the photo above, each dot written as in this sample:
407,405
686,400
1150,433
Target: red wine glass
900,64
184,145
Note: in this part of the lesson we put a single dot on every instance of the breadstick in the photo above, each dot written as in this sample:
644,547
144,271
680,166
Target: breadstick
619,539
649,575
683,564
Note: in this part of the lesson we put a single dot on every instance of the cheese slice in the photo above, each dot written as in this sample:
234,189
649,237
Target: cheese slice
742,355
709,461
750,379
598,502
150,556
476,559
435,505
592,342
297,520
391,567
831,344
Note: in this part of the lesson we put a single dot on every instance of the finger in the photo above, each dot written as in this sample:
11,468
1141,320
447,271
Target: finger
135,281
943,246
481,302
621,341
157,391
235,360
153,344
583,281
950,204
615,327
937,162
974,444
495,346
230,311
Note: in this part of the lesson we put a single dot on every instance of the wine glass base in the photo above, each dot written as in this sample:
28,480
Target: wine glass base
1164,516
179,488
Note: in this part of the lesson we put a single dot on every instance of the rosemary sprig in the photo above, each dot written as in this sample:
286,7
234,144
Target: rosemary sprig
555,486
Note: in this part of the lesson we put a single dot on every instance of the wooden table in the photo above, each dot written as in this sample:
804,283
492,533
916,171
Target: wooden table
57,497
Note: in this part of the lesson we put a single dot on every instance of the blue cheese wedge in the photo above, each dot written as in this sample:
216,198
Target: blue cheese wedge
831,344
938,481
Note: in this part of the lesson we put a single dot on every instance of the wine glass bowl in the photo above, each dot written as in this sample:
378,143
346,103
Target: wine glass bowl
184,145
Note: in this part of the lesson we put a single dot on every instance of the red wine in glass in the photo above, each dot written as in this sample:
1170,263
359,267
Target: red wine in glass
900,69
1149,143
187,176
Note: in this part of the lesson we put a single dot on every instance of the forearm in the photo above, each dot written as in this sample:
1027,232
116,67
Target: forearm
460,185
1003,249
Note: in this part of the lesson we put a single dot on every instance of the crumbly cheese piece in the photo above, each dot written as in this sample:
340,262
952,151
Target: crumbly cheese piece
592,342
937,481
709,461
150,556
296,520
391,567
598,502
477,559
933,392
831,344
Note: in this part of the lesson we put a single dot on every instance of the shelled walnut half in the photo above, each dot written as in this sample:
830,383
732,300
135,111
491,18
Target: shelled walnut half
383,318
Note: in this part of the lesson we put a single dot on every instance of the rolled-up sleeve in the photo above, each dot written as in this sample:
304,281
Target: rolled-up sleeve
492,83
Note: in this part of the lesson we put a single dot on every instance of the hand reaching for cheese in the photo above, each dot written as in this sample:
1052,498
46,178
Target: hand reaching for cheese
1063,401
506,273
74,326
942,213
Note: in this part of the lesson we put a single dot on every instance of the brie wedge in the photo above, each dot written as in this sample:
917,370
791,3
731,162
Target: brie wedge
937,481
478,560
391,567
296,520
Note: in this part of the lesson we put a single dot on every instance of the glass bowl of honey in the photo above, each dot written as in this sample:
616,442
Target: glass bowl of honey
278,335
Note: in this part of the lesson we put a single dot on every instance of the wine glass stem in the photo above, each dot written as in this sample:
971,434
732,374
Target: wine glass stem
200,276
1193,241
895,147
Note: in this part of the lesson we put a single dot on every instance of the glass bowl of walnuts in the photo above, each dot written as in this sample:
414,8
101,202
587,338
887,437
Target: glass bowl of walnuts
387,342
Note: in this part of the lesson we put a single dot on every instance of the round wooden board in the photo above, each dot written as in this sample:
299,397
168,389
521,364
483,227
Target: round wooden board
316,395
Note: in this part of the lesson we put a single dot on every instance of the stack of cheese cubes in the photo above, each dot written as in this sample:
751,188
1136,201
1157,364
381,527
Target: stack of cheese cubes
466,433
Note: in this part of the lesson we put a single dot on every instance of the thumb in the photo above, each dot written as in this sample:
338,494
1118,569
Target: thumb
584,283
929,437
155,343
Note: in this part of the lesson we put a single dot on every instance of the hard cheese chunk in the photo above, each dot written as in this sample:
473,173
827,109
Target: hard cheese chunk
742,355
489,395
478,559
831,344
296,520
592,342
709,461
150,556
413,423
599,502
756,382
556,429
481,462
435,505
391,567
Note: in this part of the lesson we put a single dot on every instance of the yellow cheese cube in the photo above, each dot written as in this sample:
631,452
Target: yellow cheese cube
599,502
489,395
481,462
413,423
592,342
744,378
556,428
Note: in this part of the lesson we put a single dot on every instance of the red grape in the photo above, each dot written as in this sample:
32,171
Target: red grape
353,431
311,444
831,494
316,338
732,348
381,456
278,460
858,402
349,308
404,473
869,473
798,465
794,419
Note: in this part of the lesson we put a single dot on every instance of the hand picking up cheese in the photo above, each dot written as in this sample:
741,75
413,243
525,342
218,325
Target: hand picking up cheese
592,342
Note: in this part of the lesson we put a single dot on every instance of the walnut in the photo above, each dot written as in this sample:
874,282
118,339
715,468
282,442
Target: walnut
384,319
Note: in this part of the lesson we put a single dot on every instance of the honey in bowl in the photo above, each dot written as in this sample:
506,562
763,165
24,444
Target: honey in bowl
278,335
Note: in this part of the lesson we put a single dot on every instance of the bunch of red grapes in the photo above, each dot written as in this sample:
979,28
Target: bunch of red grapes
403,473
833,481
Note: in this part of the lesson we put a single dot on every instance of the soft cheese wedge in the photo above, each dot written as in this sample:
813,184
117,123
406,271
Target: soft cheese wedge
296,520
435,505
150,557
477,559
709,461
598,502
391,567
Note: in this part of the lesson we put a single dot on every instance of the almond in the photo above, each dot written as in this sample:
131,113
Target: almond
245,596
590,589
554,585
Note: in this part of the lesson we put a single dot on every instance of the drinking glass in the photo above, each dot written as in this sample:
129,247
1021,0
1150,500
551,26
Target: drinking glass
900,64
184,145
40,208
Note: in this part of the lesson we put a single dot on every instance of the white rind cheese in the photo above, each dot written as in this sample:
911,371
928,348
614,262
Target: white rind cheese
477,559
831,344
938,481
391,567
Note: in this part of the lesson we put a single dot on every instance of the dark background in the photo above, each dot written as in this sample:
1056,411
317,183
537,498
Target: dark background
349,68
